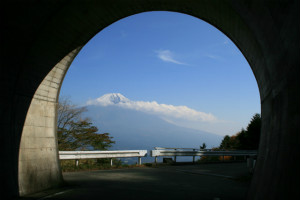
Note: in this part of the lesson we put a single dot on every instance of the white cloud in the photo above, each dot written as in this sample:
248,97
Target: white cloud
167,56
169,110
165,111
179,115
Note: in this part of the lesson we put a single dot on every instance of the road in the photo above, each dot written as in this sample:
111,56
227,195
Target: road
204,181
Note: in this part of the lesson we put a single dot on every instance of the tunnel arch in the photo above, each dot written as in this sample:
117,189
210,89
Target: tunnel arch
39,130
65,27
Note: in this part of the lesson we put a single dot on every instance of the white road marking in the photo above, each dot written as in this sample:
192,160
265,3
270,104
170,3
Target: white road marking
55,194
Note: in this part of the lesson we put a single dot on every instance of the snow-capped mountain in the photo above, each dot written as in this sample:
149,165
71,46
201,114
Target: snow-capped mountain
170,113
140,124
109,99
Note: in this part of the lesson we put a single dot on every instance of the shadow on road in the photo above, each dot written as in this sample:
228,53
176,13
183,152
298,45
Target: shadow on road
202,181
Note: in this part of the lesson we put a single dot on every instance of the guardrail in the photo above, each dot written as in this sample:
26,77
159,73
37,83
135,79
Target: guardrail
159,151
77,155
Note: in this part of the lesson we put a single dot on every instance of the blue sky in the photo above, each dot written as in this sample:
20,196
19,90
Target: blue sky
170,58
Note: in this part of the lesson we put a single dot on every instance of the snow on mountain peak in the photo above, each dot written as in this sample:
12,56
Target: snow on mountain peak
163,110
109,99
114,98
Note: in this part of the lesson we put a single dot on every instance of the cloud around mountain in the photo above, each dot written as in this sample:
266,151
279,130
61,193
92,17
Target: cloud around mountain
165,111
182,116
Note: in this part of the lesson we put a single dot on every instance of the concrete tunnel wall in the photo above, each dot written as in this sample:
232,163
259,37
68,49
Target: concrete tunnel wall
39,165
38,37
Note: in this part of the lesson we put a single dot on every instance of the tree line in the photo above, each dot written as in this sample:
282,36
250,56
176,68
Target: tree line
246,139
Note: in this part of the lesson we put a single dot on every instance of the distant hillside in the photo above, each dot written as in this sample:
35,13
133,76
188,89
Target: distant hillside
133,129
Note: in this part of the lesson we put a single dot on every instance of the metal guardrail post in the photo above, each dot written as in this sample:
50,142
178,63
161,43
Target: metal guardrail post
194,156
76,162
140,160
175,157
111,162
251,163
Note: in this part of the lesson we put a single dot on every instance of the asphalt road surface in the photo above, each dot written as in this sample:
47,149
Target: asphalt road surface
204,181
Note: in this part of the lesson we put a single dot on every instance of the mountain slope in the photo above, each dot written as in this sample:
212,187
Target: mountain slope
133,129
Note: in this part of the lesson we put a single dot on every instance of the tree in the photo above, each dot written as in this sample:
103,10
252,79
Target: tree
242,138
230,142
76,133
203,146
249,138
245,139
254,131
225,144
67,112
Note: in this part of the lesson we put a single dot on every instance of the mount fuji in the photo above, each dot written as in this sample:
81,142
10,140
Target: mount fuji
139,125
109,99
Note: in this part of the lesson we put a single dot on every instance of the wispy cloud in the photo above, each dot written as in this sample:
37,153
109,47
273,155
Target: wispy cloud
212,56
226,41
168,56
123,34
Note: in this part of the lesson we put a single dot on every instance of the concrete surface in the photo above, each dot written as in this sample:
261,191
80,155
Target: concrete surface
38,156
37,36
205,181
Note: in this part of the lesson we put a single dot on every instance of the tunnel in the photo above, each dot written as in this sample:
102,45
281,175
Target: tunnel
40,39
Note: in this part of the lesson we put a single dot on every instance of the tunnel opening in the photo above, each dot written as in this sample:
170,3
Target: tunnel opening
266,33
121,77
54,80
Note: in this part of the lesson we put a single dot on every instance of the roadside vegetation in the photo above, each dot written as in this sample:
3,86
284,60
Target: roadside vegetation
246,139
76,133
94,164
